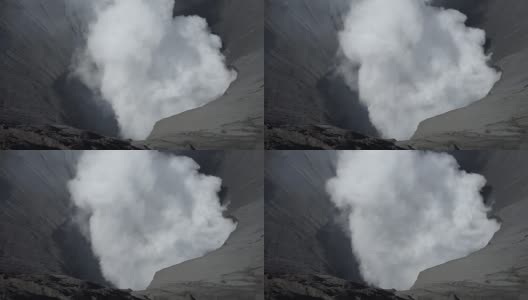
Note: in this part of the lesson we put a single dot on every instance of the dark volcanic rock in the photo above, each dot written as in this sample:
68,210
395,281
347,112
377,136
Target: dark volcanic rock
48,287
323,137
312,287
38,39
37,233
59,137
304,233
301,55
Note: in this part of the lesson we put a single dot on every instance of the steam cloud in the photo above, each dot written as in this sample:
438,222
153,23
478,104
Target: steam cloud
147,211
410,61
149,65
409,211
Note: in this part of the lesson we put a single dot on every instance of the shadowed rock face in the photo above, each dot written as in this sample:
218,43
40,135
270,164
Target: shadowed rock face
235,120
59,137
310,287
302,87
305,233
36,227
38,39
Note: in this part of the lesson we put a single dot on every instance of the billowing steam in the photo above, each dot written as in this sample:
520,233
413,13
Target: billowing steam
409,211
410,61
147,211
149,65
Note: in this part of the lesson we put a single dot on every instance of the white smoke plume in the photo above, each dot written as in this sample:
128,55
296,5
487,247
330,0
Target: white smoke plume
410,61
147,211
149,65
409,211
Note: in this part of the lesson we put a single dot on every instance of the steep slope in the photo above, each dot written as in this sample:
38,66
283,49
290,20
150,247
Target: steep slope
36,229
499,120
296,199
235,120
38,39
234,271
302,87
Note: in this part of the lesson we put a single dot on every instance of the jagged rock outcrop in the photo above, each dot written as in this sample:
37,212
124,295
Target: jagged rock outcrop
47,287
59,137
310,287
323,137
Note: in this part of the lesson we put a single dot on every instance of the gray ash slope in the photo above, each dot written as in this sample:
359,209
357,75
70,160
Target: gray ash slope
235,120
235,270
303,89
39,238
498,121
38,39
313,258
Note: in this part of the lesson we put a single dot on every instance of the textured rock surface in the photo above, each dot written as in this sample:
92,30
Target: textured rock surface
59,137
498,121
301,55
38,39
302,286
47,287
235,270
303,235
323,137
36,229
235,120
